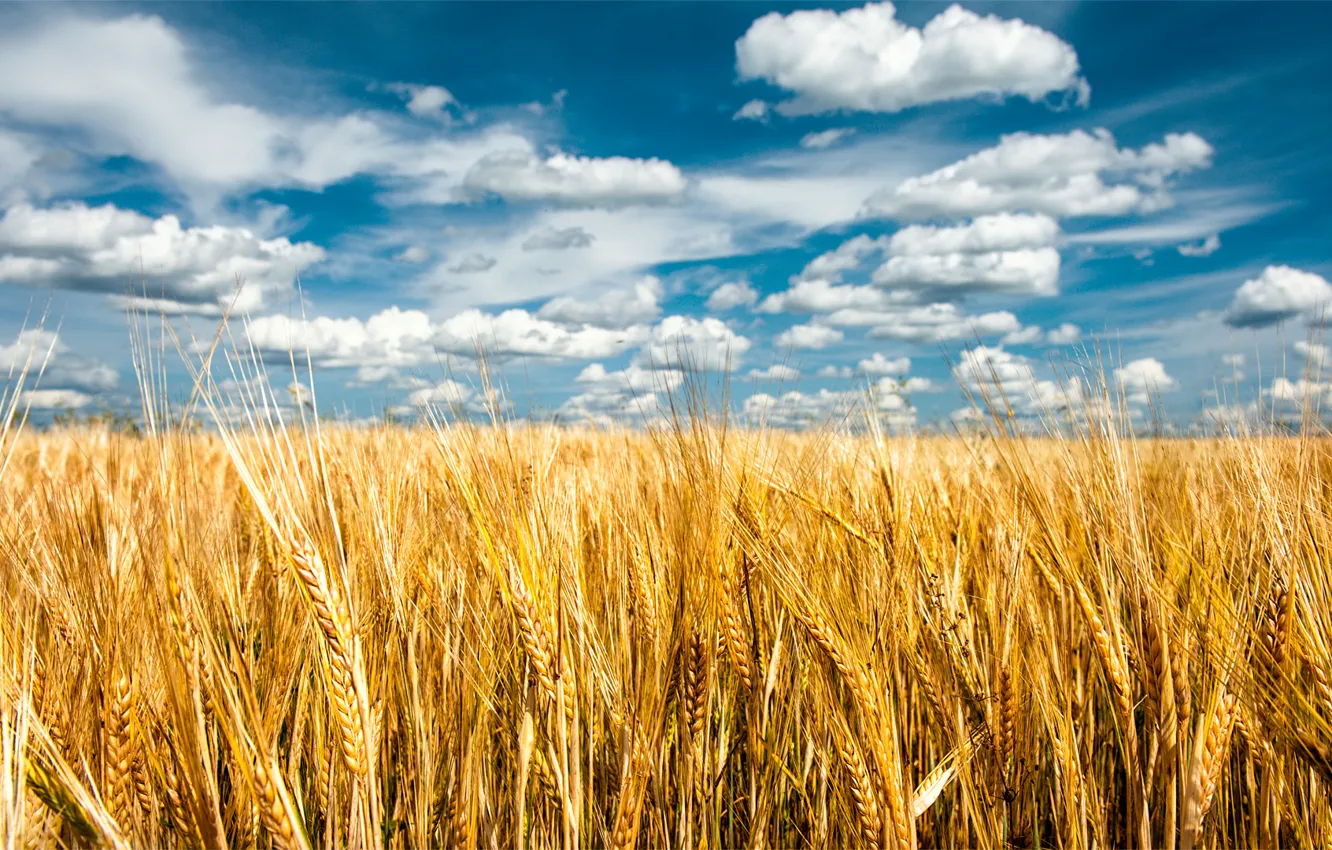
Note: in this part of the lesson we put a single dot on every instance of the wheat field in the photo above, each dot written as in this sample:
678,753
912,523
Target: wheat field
686,636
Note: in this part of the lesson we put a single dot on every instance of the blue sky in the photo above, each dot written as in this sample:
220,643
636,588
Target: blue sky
816,198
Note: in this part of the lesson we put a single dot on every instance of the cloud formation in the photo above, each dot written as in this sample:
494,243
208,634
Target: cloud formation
1278,294
578,180
115,251
1069,175
866,60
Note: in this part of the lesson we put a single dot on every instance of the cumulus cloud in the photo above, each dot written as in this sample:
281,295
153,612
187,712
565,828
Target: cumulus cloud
935,323
632,392
621,308
425,101
1205,248
1023,336
558,239
795,409
831,371
633,378
626,393
106,249
1027,271
392,338
848,256
808,337
879,366
731,295
1066,334
578,180
518,332
919,385
55,399
999,376
776,372
1057,175
825,138
1279,293
60,368
447,392
820,296
1300,391
685,342
1315,356
1142,379
986,234
865,59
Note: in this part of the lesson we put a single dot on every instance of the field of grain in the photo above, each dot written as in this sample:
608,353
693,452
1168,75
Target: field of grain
682,637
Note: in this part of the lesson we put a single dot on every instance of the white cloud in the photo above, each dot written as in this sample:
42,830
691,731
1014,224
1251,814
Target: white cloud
819,296
795,409
848,256
558,239
967,416
447,392
996,376
633,378
474,263
105,249
808,336
920,385
1004,252
830,371
517,332
630,393
1205,248
879,366
731,295
633,392
1142,379
413,254
986,234
935,323
139,89
685,342
1029,335
825,138
753,110
620,308
1279,293
390,376
60,368
1066,334
1028,271
578,180
130,81
1315,356
865,59
776,372
391,338
425,101
55,399
1057,175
